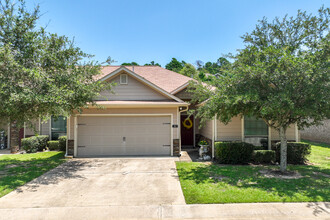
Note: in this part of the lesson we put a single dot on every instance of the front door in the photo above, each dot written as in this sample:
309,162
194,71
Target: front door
187,130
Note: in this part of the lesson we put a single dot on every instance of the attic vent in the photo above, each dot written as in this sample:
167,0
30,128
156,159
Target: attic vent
123,79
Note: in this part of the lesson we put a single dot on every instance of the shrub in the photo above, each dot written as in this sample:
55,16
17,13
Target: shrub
296,153
62,141
263,156
53,145
30,144
260,148
233,152
42,139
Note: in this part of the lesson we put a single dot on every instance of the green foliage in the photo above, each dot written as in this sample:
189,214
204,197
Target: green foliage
152,63
175,65
297,152
281,76
263,156
259,148
203,142
30,145
233,152
188,70
62,141
42,140
130,64
35,143
41,73
53,145
217,67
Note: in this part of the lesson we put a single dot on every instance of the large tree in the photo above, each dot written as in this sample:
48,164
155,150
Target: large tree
41,74
281,76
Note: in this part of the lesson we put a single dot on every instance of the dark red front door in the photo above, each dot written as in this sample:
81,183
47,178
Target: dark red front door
21,136
187,130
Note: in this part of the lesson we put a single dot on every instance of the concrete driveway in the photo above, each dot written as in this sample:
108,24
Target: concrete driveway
102,182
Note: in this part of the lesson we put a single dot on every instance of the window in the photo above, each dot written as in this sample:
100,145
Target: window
58,127
255,127
123,79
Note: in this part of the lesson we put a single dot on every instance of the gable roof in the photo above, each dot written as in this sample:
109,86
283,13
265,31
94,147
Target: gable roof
142,79
165,79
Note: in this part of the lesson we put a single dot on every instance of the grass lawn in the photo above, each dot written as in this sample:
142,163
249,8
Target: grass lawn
212,183
18,169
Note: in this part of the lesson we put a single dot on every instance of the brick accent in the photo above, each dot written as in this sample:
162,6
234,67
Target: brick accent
176,147
70,147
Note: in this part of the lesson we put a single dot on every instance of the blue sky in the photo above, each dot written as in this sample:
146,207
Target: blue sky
147,30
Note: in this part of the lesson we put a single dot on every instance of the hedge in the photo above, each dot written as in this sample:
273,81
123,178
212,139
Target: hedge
233,152
42,139
62,141
53,145
30,144
263,156
34,143
296,154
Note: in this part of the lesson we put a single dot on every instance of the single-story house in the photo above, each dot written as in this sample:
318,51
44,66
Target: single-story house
146,114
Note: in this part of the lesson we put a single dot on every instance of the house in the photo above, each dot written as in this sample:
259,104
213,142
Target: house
146,114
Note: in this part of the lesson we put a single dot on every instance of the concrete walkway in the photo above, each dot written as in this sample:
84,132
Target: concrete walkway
255,211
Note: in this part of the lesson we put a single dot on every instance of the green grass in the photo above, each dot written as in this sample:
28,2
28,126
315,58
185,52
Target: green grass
202,183
18,169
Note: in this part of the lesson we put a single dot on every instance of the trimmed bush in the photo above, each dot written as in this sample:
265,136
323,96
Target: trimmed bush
42,139
260,148
233,152
53,145
62,141
30,144
297,152
263,156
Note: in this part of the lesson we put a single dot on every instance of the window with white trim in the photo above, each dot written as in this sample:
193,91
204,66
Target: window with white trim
123,79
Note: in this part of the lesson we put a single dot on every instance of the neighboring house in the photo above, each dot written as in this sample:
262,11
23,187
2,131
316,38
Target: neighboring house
146,114
319,133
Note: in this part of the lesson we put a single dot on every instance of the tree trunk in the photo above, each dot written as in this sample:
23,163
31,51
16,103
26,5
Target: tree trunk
14,137
283,162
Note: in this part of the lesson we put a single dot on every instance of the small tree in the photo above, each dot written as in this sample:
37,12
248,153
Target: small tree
41,74
282,76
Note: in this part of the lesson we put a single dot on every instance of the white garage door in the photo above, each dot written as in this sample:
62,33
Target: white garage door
124,135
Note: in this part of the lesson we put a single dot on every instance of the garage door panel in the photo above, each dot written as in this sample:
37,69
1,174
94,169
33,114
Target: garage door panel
144,135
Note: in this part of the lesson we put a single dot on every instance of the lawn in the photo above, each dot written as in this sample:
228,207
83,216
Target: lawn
18,169
212,183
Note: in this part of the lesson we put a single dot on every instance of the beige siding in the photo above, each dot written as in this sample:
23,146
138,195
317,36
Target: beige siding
290,134
129,111
134,90
206,130
230,132
32,131
45,127
184,95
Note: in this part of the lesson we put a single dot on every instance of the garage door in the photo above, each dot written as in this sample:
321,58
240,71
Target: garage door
124,135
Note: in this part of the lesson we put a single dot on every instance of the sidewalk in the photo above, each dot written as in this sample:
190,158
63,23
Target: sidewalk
212,211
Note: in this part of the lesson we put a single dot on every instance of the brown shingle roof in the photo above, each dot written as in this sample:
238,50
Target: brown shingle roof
163,78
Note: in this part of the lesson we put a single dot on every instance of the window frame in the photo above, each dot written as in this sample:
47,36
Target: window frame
121,79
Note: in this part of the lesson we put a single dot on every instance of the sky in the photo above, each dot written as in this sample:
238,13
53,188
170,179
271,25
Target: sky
157,30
